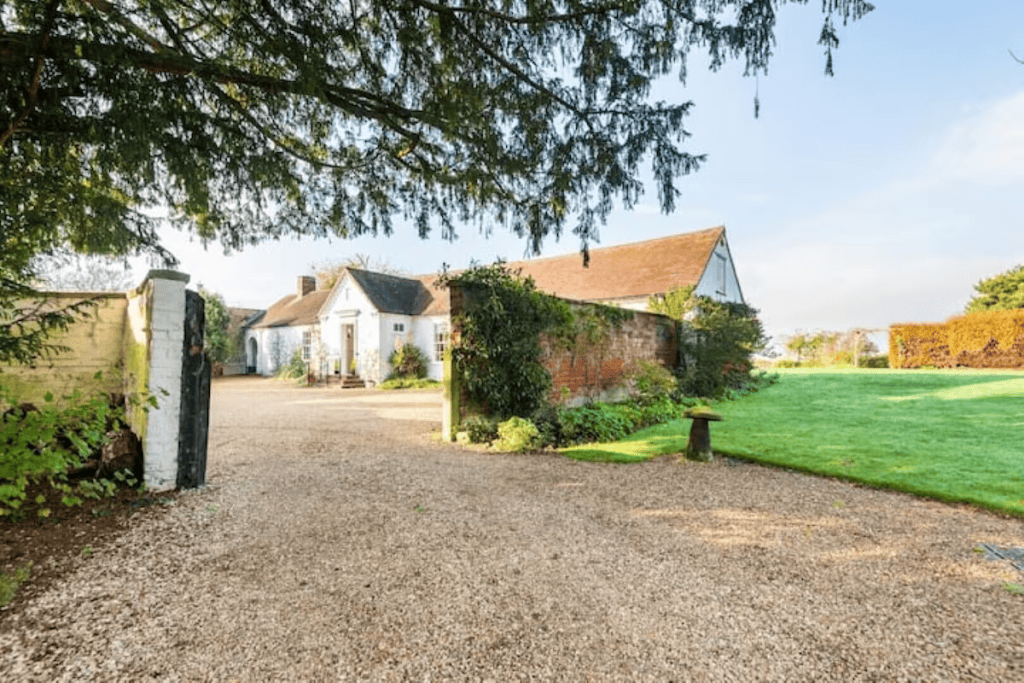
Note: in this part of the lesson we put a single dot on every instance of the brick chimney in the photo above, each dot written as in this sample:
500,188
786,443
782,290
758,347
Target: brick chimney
306,285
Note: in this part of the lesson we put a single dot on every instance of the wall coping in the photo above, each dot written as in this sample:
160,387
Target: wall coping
160,274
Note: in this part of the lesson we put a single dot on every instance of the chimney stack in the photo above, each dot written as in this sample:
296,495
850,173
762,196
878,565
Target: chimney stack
306,285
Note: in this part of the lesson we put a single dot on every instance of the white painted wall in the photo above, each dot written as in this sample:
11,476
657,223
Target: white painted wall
349,305
167,339
424,338
274,346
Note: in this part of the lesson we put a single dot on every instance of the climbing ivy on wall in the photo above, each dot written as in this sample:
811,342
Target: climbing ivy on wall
497,342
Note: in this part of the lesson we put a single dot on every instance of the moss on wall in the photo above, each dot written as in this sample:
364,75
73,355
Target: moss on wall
136,352
92,362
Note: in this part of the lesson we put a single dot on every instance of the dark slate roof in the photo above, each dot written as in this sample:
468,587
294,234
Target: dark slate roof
392,293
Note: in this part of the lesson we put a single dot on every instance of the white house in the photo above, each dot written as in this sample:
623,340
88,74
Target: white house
353,327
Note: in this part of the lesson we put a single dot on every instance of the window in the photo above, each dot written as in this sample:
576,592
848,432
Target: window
307,344
440,340
720,275
399,327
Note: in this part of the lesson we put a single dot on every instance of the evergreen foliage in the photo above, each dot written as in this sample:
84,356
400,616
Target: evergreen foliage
718,341
497,345
251,120
408,362
218,342
1001,292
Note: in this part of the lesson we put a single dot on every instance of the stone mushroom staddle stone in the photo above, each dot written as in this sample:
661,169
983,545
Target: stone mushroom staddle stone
699,446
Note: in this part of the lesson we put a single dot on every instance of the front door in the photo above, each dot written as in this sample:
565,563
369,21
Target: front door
348,335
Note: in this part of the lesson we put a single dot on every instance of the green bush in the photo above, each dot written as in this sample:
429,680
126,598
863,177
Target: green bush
598,422
480,429
498,349
44,443
407,362
874,362
788,363
548,426
296,367
651,381
661,410
409,384
517,435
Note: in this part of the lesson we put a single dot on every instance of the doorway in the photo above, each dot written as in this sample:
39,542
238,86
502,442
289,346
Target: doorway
348,337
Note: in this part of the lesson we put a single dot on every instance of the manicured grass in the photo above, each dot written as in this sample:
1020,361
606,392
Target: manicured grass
956,436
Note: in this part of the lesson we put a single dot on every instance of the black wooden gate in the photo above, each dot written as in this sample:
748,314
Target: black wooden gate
194,423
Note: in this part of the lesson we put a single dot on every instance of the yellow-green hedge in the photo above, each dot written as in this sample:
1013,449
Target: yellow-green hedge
987,339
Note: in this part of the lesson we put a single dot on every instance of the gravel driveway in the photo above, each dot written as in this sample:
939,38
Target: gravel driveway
337,541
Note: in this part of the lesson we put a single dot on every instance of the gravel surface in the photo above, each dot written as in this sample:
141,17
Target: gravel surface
337,541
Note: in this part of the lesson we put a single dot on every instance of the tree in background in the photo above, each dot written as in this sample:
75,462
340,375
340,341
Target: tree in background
1001,292
328,272
218,342
831,348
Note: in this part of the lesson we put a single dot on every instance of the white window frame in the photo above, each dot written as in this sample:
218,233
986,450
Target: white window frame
441,334
307,345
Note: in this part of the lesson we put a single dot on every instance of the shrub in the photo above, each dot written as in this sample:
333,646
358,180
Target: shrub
497,349
718,344
597,422
407,362
409,384
874,362
517,435
546,421
480,429
651,381
787,363
295,369
659,411
45,443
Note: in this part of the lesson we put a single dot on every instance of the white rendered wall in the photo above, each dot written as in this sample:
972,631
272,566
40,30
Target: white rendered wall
424,338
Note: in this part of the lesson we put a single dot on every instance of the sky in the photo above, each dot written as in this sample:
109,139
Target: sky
880,195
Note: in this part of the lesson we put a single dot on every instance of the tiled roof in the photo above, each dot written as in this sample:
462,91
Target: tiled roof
392,293
291,310
638,269
628,270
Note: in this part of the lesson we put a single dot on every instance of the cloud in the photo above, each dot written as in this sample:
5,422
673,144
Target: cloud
987,146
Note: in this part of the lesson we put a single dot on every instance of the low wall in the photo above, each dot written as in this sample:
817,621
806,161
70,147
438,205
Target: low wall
582,371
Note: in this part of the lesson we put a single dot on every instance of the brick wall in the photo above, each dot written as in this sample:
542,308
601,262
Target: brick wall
591,371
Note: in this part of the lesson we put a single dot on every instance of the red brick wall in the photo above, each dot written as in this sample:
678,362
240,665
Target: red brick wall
589,370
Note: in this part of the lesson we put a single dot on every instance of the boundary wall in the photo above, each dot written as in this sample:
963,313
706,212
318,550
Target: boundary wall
135,340
585,372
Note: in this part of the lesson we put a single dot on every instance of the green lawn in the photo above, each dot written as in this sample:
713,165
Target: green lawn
945,434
